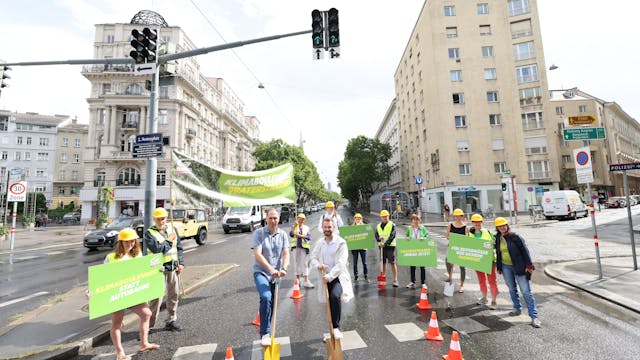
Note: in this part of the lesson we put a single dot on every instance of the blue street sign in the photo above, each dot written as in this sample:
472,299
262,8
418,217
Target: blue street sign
418,180
149,138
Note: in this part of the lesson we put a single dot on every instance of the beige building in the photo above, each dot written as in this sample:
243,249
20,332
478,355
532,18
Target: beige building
471,102
69,168
198,115
574,108
388,134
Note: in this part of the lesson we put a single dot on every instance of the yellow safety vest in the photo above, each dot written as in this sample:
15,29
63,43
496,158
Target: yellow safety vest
172,254
112,257
294,239
386,232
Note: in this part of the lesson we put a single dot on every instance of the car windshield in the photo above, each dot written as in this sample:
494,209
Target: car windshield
240,210
120,223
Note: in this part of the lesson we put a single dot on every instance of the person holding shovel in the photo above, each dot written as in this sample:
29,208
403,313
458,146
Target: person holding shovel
271,250
330,257
386,237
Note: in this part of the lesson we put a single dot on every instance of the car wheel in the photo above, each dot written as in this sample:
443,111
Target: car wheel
92,248
226,231
202,237
574,215
548,217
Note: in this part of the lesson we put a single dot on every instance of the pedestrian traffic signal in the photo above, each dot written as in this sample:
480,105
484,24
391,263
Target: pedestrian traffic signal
317,29
144,45
504,186
397,195
333,31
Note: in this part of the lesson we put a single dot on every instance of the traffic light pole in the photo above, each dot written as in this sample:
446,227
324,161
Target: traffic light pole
152,163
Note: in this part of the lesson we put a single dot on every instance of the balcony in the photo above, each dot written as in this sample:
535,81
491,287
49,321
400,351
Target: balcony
120,155
128,182
130,125
107,68
191,132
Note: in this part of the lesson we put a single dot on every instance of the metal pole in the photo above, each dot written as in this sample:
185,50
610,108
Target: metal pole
633,241
152,163
13,226
515,199
592,211
6,202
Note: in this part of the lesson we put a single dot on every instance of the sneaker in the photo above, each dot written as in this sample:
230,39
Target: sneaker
338,334
493,305
411,285
461,290
367,280
173,326
326,337
515,313
482,301
308,284
536,323
395,284
266,340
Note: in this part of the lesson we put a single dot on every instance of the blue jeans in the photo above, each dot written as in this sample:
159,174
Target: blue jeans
510,278
266,290
363,256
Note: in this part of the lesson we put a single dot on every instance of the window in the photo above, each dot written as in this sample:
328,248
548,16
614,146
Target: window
566,159
41,172
483,9
102,114
499,167
535,145
527,73
458,98
538,169
110,39
164,92
76,158
162,117
63,158
106,88
494,120
74,190
165,38
43,156
460,121
582,108
454,53
521,29
128,176
449,11
464,169
5,154
497,144
485,30
524,51
3,172
27,155
134,89
492,96
44,141
559,110
532,120
455,75
61,189
17,155
161,177
518,7
490,74
100,178
74,175
77,143
487,51
530,96
28,140
19,140
40,188
65,142
4,121
462,145
63,175
452,32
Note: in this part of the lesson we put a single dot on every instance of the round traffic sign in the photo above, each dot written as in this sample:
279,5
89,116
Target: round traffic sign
17,188
582,158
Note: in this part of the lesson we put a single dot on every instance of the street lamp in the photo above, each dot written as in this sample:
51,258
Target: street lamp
553,67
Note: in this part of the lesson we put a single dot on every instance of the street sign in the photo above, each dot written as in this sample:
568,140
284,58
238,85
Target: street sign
582,120
507,172
149,138
586,133
334,52
318,54
17,191
584,171
621,167
418,180
147,150
144,69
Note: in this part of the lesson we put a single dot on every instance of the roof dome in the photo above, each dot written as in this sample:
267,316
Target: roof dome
148,17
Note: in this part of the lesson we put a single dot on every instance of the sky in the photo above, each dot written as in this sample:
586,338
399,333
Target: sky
328,101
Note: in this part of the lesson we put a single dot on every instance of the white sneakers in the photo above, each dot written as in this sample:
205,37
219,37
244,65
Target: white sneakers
336,334
266,340
308,284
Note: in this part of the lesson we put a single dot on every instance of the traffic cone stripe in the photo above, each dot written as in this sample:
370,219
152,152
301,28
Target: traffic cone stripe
454,349
296,290
229,354
455,346
424,300
433,332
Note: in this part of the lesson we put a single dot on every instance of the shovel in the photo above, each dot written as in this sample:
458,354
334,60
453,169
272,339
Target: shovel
334,346
272,352
382,278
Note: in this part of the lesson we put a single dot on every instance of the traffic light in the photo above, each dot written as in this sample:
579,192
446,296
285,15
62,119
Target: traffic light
398,195
333,31
144,45
504,186
4,75
317,28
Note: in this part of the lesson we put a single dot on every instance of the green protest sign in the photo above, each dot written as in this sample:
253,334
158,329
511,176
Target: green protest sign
472,253
417,252
358,237
122,284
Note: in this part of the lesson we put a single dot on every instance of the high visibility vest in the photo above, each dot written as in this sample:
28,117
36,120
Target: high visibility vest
112,257
294,239
172,254
386,232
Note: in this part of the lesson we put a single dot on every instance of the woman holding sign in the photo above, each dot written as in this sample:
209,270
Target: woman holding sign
357,220
419,232
479,232
457,227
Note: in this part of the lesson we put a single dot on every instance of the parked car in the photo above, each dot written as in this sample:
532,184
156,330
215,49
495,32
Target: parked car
307,210
314,208
243,218
191,224
72,217
285,213
616,202
109,235
300,210
636,198
563,204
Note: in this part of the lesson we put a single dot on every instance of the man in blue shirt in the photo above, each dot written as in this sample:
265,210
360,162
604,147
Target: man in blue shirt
271,250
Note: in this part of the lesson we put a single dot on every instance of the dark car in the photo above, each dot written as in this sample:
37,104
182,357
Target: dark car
285,213
109,235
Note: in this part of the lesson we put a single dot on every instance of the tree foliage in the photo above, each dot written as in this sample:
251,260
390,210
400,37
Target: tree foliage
307,182
364,169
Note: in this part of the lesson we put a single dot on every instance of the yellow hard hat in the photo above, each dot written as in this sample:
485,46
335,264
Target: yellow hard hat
384,213
302,216
329,204
476,217
499,221
127,234
159,212
458,212
357,215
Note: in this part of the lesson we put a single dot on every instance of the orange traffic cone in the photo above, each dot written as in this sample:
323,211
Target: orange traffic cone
256,321
382,281
296,290
454,349
433,332
229,355
424,300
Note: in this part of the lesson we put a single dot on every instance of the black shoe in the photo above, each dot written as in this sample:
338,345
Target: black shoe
173,326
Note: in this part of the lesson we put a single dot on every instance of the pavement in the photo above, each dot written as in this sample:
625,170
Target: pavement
40,331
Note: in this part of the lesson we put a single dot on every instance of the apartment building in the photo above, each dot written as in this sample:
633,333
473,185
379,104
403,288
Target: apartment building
471,102
198,115
575,108
69,163
388,134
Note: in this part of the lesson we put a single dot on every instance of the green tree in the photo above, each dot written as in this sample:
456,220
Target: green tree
104,199
568,179
364,169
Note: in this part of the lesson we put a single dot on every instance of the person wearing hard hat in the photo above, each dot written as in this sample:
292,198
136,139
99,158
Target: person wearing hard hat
300,246
127,247
478,232
357,220
514,263
386,237
331,213
416,232
162,238
457,227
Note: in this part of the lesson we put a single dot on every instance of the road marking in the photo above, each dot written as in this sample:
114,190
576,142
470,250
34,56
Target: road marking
14,301
405,331
31,257
465,325
54,253
195,352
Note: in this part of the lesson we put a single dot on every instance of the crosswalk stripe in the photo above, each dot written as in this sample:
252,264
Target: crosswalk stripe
195,352
405,331
257,351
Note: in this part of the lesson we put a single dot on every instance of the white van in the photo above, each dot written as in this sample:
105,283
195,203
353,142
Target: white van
563,204
243,218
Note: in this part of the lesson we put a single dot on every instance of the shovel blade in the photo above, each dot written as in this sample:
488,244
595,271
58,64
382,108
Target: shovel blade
334,349
272,352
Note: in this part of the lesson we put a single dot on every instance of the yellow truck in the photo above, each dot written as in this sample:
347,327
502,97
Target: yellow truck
191,224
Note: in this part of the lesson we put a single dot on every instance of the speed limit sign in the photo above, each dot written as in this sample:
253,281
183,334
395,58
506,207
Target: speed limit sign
17,191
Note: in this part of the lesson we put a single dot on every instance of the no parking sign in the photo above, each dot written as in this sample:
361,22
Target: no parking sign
582,160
